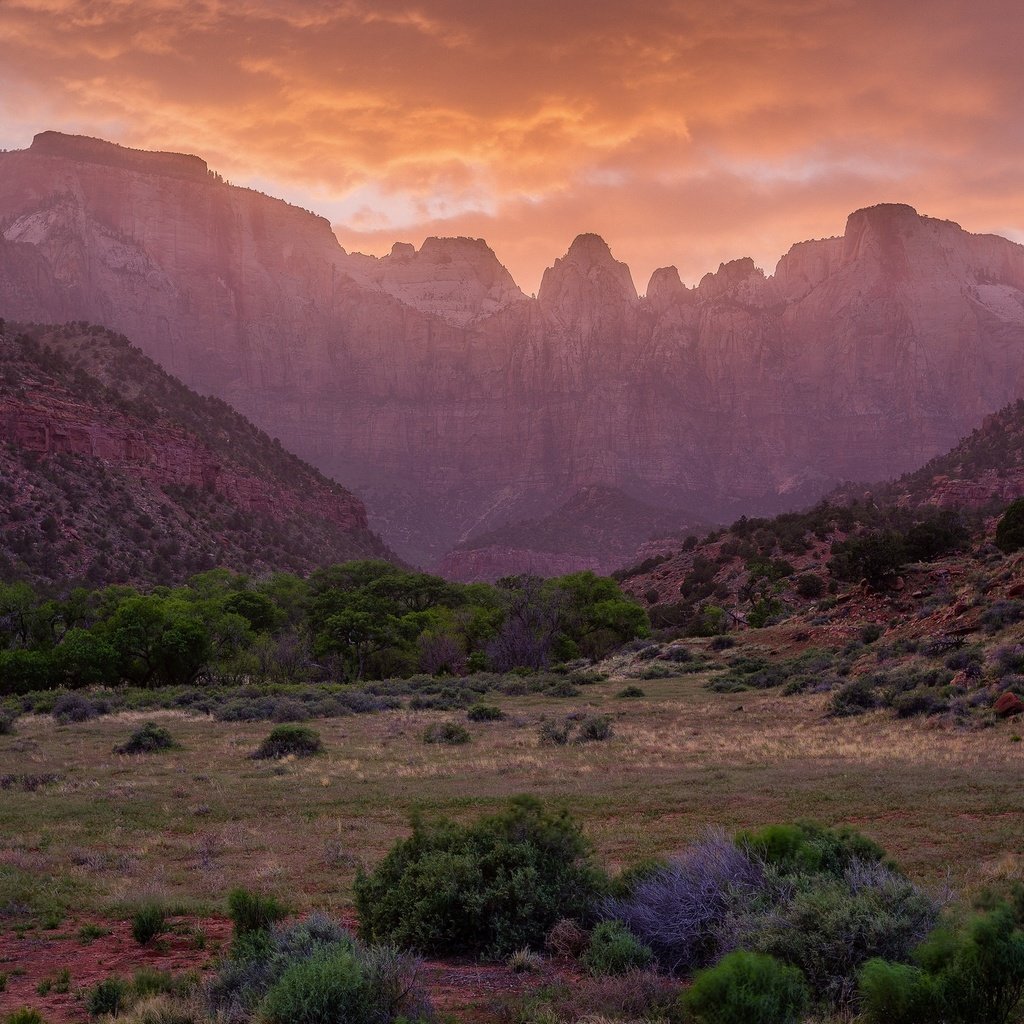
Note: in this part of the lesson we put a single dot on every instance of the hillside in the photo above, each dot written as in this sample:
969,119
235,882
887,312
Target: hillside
599,528
454,404
984,472
112,471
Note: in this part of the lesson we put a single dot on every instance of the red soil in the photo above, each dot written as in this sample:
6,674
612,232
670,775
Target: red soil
467,991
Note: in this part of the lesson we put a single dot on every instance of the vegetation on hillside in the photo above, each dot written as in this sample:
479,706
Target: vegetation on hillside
70,516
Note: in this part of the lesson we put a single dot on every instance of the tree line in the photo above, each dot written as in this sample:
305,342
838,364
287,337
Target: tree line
344,623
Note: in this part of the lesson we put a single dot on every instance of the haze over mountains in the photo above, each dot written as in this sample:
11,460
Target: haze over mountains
428,383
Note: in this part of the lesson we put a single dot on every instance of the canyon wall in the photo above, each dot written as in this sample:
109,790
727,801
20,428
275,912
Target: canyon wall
428,383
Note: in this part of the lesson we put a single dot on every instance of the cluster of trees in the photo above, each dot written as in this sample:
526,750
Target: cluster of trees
358,620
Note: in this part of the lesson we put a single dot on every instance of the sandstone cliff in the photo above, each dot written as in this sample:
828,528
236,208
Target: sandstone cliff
453,404
112,471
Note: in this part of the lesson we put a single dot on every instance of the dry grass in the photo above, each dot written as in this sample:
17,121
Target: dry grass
186,825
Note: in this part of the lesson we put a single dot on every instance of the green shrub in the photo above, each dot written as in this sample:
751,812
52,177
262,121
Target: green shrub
328,988
594,729
747,988
6,723
251,912
486,889
148,922
971,976
631,692
290,741
832,927
897,994
1010,529
147,740
485,713
450,733
809,586
109,996
808,847
614,949
25,1015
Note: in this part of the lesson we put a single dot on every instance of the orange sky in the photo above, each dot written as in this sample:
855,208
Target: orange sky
683,132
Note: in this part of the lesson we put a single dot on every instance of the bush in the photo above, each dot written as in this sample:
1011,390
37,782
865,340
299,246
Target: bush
107,997
6,724
808,848
486,889
290,741
566,939
614,949
854,698
971,976
485,713
148,922
73,707
594,728
251,912
747,988
147,740
832,927
897,994
450,733
525,961
314,971
809,586
1010,529
25,1015
678,909
630,693
555,733
327,988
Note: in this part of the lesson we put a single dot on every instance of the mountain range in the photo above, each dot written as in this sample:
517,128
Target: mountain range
455,405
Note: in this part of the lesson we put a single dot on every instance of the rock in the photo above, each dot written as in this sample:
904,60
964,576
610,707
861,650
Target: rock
1008,704
429,384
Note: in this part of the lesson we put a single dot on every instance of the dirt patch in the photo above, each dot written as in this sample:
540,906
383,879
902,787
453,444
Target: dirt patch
34,957
465,990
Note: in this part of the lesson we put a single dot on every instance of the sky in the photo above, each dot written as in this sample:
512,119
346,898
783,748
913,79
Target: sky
685,133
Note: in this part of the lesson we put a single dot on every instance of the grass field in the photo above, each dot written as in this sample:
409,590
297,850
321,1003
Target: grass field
186,825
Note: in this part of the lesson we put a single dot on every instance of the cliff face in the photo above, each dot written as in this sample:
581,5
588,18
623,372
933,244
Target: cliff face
112,471
453,404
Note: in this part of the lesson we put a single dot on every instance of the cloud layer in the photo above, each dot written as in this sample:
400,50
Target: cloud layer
685,132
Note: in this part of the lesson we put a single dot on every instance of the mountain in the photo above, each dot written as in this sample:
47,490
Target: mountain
454,404
599,528
112,471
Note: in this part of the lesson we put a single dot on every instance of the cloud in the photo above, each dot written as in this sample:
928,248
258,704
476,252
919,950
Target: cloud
687,132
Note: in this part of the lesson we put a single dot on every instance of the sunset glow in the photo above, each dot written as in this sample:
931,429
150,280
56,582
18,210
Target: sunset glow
685,133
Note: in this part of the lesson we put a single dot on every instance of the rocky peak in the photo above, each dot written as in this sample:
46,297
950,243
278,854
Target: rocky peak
666,288
457,279
585,279
739,279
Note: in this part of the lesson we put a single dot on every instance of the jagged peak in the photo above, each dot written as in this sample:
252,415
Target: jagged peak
588,261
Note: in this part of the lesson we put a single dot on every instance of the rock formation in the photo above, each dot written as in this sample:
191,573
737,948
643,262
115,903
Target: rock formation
429,384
